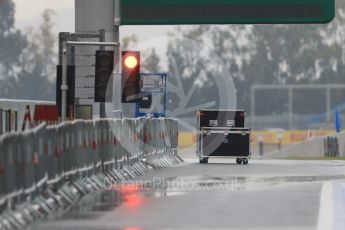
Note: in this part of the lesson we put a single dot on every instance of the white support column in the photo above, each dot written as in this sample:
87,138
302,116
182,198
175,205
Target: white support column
328,104
252,112
290,107
116,37
64,86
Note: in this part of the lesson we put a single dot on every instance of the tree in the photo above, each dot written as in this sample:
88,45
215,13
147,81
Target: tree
265,54
128,41
39,58
198,76
11,46
151,62
27,63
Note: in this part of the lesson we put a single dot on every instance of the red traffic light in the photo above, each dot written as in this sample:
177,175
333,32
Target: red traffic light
131,62
130,76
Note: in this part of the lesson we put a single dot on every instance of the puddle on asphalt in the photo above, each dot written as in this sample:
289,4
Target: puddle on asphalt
134,195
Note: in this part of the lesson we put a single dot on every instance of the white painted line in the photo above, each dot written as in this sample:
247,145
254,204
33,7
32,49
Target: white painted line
338,206
325,221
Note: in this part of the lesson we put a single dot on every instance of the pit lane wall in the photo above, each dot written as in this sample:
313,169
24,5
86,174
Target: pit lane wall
313,148
268,137
20,106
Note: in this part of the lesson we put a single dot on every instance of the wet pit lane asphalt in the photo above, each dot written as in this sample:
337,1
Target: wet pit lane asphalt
266,194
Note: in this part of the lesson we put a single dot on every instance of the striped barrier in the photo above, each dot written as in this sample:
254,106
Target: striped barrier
52,166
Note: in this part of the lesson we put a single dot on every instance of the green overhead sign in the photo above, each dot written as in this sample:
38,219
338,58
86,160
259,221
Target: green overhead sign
170,12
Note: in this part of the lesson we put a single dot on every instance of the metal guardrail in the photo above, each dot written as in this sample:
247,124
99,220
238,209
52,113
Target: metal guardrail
38,164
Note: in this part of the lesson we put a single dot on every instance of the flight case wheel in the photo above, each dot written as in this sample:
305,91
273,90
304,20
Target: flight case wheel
239,161
204,160
245,161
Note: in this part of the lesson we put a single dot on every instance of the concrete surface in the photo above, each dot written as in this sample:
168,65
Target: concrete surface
310,148
266,194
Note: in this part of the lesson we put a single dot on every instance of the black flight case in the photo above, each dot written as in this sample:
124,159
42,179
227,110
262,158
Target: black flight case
222,133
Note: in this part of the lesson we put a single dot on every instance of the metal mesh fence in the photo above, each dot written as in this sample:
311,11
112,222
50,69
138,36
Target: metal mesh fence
155,86
85,70
83,58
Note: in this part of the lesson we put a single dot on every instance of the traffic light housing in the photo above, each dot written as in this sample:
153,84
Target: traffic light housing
104,71
130,76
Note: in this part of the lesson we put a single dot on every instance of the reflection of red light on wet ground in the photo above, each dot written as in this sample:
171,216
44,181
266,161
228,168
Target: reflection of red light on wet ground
133,200
133,228
131,194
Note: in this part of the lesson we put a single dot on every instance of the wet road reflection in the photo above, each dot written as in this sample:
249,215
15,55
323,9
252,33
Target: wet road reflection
132,196
179,200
